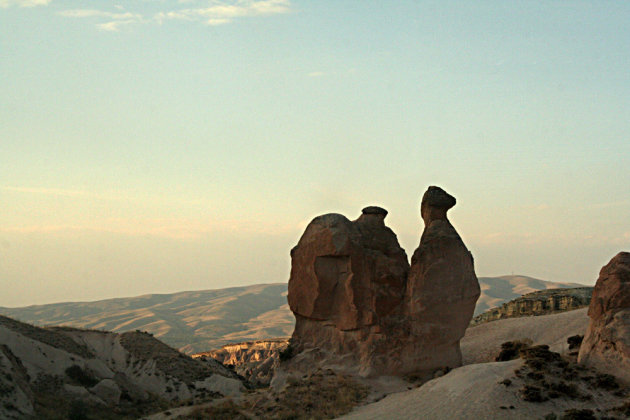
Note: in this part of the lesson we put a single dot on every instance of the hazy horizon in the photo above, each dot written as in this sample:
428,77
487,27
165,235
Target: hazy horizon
201,290
155,147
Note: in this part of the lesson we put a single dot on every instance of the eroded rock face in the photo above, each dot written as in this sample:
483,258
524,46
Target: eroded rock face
541,302
256,361
442,289
348,280
356,298
606,345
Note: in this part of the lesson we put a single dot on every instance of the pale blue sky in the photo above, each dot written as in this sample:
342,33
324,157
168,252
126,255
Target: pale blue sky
156,146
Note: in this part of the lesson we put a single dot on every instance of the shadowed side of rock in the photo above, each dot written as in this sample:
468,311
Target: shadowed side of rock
442,289
606,345
347,283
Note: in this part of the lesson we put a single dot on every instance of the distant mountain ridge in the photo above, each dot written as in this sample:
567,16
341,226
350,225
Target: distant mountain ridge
203,320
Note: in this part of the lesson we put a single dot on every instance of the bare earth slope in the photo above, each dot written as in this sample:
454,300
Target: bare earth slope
202,320
190,321
482,343
44,372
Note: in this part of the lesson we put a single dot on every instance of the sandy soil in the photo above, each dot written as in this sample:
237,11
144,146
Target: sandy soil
470,392
483,342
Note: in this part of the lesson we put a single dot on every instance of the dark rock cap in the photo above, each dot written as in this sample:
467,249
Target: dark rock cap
374,210
437,197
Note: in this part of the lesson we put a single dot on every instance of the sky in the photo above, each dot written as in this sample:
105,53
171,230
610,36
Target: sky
154,146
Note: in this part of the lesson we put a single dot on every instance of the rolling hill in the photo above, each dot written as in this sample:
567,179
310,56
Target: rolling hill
197,321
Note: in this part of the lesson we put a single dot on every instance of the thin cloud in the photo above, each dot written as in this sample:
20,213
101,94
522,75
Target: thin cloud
222,13
23,3
115,19
86,13
215,22
219,13
115,25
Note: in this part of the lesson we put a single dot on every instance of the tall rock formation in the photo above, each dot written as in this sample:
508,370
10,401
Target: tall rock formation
606,345
358,303
347,284
442,289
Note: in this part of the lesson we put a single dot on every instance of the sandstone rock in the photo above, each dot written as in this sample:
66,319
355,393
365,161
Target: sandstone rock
256,361
442,289
348,274
356,301
80,393
606,345
541,302
225,386
347,283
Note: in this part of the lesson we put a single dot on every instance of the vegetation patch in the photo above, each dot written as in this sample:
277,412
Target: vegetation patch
578,414
318,395
546,375
575,341
48,336
143,347
80,376
510,350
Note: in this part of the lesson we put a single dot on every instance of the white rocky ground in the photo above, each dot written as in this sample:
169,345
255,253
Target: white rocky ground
132,366
474,391
483,342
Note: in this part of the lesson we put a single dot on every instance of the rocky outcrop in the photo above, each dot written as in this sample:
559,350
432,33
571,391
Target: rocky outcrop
359,304
44,371
347,285
543,302
606,345
256,361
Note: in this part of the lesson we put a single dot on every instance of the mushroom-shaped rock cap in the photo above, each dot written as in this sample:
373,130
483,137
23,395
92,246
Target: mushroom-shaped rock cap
437,197
374,210
435,204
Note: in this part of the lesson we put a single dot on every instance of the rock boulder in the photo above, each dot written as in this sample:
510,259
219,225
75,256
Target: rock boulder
606,345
